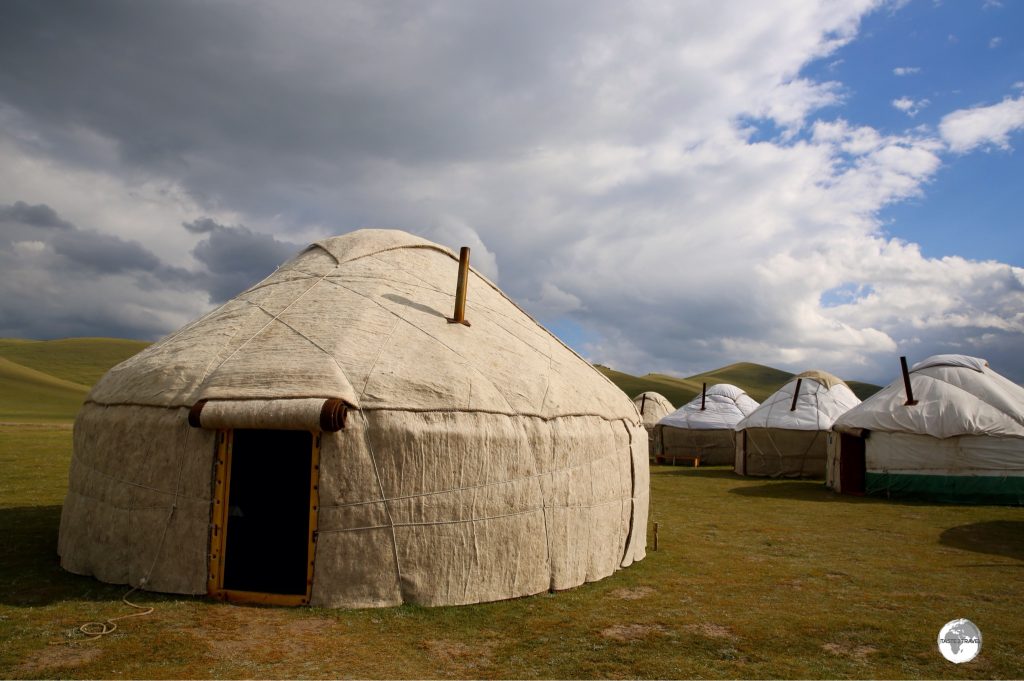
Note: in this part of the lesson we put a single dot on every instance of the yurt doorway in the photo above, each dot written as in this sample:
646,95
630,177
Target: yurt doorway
852,464
264,525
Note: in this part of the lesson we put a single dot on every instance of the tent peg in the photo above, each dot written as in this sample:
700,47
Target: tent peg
459,316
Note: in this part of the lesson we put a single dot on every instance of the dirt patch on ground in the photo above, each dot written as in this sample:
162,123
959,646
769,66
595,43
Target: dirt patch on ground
263,635
632,594
61,656
460,655
710,630
854,652
633,632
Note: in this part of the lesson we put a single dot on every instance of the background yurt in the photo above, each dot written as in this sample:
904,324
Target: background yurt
331,437
951,429
704,427
652,407
786,436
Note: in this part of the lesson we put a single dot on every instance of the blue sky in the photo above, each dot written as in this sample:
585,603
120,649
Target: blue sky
954,55
670,187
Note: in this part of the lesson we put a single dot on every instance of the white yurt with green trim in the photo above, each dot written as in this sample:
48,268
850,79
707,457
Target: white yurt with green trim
962,440
787,435
705,426
329,437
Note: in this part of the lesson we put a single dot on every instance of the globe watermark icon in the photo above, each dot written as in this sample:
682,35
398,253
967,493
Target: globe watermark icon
960,641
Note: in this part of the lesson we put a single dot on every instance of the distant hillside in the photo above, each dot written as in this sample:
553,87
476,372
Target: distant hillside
81,360
48,380
757,380
27,395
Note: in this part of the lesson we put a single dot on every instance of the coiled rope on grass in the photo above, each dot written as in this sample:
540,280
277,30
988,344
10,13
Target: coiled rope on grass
96,630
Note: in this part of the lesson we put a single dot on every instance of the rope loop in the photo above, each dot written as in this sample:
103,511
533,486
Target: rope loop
97,630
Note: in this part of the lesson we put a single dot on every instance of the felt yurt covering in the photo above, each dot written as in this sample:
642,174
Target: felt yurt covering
652,406
456,464
780,439
709,432
962,442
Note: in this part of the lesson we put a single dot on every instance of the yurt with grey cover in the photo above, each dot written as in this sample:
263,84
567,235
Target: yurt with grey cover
652,407
337,436
787,436
704,427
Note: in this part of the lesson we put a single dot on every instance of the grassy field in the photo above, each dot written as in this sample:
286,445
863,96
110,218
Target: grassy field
757,380
46,381
79,360
752,579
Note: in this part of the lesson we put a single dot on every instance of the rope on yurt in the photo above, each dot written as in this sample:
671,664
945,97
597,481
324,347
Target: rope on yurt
97,630
383,496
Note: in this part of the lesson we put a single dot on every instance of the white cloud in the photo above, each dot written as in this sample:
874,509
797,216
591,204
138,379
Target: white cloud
906,70
995,42
909,106
968,129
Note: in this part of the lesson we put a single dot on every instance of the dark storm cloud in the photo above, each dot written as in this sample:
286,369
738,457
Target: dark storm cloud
59,280
39,215
235,257
104,253
241,102
201,226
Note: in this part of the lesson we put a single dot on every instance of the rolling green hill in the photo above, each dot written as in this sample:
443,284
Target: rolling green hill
80,360
28,396
43,381
757,380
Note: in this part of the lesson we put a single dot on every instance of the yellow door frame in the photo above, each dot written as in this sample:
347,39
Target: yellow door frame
219,529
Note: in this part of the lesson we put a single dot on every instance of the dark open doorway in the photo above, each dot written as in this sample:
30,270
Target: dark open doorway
852,464
267,486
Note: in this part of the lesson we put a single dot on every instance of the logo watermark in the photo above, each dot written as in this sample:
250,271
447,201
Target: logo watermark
960,641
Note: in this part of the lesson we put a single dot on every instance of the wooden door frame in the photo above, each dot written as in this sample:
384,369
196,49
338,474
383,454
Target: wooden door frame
219,528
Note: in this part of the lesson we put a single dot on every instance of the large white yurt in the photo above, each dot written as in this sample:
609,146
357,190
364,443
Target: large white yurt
961,441
330,437
705,426
787,436
652,406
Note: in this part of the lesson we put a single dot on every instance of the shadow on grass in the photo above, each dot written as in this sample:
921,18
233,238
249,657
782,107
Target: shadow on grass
994,537
802,490
692,472
30,571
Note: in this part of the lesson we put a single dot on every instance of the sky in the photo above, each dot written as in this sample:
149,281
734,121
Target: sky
669,187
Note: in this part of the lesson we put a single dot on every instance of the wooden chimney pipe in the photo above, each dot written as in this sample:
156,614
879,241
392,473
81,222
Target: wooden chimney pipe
703,394
906,383
796,394
460,289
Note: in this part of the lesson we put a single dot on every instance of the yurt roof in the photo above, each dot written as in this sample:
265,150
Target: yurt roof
955,394
725,405
822,398
363,318
652,406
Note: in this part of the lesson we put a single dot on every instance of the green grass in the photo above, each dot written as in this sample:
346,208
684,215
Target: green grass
27,395
46,381
79,360
757,380
752,579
